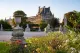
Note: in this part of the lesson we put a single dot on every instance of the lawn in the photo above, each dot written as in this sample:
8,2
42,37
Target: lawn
4,47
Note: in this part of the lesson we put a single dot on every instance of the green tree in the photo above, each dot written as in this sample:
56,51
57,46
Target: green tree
78,16
73,19
5,25
13,22
43,24
54,22
19,12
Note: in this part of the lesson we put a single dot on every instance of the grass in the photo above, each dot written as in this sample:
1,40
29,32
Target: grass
4,47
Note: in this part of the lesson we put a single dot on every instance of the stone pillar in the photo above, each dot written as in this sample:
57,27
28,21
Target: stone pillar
44,9
65,24
61,28
48,29
65,21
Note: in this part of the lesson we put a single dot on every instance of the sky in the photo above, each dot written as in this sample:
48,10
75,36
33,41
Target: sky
30,7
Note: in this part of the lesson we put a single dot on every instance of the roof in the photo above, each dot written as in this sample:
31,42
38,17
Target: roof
45,11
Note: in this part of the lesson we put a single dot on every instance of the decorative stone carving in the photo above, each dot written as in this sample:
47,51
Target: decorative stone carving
1,27
39,29
48,29
65,24
17,33
61,29
27,28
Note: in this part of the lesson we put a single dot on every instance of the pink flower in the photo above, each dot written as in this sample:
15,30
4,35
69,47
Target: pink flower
18,41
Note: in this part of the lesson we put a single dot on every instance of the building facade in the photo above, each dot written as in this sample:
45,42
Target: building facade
44,14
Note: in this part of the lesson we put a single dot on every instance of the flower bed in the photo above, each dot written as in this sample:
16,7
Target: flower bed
53,42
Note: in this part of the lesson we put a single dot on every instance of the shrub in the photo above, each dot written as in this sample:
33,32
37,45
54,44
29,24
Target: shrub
53,42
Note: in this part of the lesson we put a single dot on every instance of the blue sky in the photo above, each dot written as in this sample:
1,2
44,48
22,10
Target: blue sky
30,7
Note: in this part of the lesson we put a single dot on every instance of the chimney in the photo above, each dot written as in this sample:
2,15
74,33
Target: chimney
44,9
49,9
39,9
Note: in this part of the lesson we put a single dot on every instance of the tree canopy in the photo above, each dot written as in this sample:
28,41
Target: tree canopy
19,12
73,19
54,22
43,24
5,25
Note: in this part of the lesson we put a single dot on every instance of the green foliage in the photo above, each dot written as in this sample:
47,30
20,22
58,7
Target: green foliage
18,49
54,22
43,24
5,25
13,22
71,17
23,25
19,12
4,47
44,44
73,20
53,42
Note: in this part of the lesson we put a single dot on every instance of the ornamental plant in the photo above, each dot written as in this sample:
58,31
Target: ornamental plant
18,47
53,42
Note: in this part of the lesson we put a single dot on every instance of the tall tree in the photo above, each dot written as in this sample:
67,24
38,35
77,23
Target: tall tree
73,19
54,22
42,25
5,25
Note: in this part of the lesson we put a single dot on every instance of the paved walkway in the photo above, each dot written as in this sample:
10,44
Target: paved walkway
6,35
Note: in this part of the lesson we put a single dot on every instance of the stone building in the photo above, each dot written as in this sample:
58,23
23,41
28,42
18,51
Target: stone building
44,14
